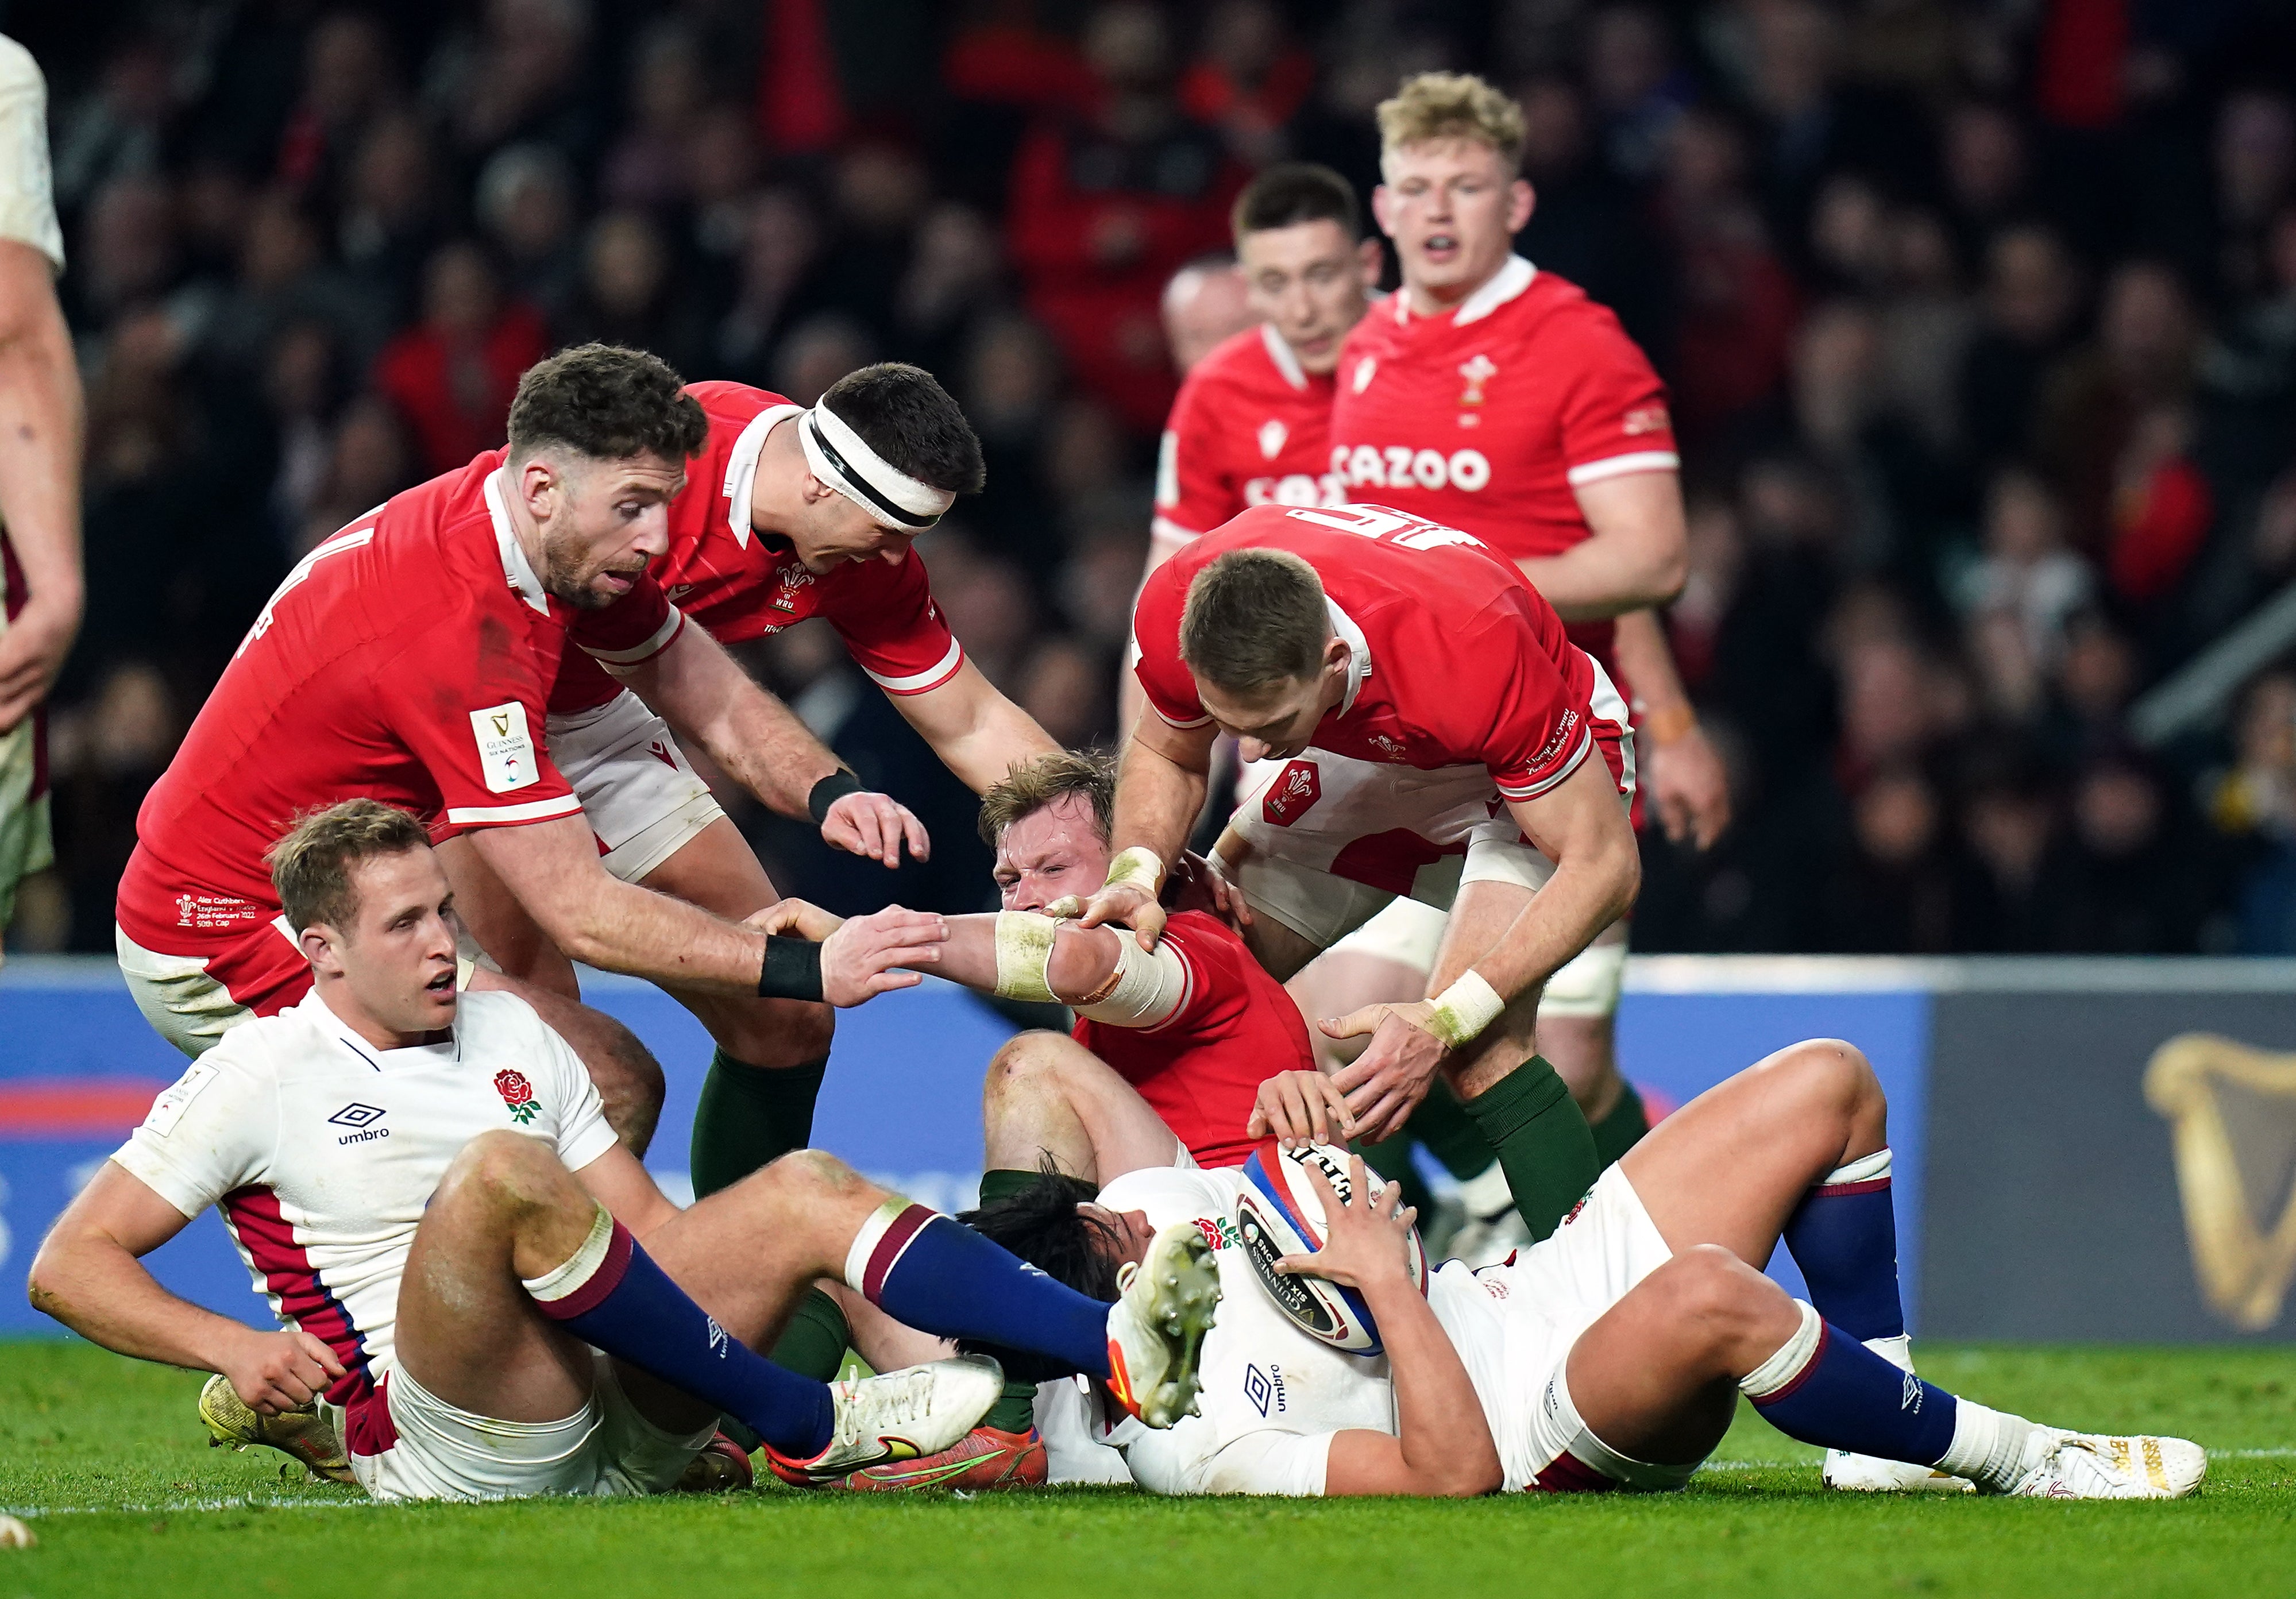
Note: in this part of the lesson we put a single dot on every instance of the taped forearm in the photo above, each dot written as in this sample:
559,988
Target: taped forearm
1140,988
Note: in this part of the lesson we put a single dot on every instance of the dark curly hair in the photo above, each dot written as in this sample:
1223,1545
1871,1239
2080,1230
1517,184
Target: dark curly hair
607,403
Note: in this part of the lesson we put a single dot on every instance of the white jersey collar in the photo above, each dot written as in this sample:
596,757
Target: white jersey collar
742,467
1286,359
516,569
1502,286
1358,652
321,1017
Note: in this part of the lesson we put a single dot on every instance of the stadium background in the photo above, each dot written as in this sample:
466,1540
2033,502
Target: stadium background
1980,320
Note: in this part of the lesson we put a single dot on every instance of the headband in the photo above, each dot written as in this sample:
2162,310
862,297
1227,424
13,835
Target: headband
842,459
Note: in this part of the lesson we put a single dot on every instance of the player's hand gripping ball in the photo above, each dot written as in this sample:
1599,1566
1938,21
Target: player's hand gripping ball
1280,1213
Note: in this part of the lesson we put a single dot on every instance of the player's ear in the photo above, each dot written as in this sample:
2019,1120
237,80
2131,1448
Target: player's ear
1521,200
1372,257
1382,207
318,941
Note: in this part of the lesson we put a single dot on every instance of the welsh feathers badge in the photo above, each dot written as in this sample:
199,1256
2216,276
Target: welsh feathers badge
518,1093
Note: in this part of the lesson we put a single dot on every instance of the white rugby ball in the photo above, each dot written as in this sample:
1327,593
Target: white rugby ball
1280,1213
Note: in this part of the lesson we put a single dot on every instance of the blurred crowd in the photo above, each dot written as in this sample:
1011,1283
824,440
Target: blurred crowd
1979,316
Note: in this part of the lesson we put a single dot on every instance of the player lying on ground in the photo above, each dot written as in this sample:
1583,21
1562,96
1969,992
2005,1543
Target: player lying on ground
1611,1355
789,513
1164,1068
425,1187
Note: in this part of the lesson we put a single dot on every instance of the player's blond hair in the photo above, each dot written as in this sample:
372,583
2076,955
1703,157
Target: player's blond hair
1033,784
311,867
1451,105
1254,619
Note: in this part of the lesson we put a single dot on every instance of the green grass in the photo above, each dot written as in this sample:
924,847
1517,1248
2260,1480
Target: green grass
105,1458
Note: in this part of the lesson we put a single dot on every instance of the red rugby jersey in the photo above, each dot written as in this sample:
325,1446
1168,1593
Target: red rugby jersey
1200,1068
408,658
1487,417
1456,660
1250,427
738,584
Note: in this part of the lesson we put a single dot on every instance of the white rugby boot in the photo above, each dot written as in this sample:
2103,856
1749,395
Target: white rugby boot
2087,1465
1156,1328
905,1414
1871,1474
1492,1232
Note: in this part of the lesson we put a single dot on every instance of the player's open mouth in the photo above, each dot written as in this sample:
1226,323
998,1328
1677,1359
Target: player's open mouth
620,583
1440,247
444,983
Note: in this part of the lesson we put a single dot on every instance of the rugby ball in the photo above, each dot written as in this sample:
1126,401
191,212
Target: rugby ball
1280,1213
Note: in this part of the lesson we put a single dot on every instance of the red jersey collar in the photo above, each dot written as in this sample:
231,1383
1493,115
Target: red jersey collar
516,569
1502,286
742,467
1285,358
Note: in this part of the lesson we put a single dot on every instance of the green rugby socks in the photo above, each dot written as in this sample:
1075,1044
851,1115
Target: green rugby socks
748,1116
1543,1144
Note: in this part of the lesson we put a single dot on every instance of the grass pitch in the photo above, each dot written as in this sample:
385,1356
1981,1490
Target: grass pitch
105,1459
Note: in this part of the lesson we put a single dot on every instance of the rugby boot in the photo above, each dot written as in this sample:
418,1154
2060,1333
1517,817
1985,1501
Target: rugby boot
304,1434
1156,1329
901,1416
2085,1466
986,1457
722,1467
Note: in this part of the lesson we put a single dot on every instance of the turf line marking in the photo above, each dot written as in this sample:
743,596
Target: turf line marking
168,1506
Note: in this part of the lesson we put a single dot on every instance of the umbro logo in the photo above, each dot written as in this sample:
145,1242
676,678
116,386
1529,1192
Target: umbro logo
1911,1399
360,1118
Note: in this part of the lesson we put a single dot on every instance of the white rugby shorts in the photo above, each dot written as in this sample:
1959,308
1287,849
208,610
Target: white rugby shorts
434,1450
641,796
1410,934
1328,840
1513,1326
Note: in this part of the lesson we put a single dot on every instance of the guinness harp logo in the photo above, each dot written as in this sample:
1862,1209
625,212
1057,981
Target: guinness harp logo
2231,1111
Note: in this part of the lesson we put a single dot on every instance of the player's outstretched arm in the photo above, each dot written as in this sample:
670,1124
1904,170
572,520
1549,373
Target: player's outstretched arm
1636,558
89,1274
40,425
552,869
978,734
1580,825
706,697
1442,1446
1160,788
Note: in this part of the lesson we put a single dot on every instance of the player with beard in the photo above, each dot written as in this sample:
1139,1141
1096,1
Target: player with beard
1489,395
410,658
792,512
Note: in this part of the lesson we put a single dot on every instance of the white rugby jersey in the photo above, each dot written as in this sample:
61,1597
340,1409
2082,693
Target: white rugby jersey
1273,1397
322,1151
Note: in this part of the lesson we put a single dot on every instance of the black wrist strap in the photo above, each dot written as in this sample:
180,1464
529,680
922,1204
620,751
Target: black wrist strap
829,791
792,970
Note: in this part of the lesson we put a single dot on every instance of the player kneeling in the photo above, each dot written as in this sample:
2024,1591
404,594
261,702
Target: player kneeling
486,1294
1611,1355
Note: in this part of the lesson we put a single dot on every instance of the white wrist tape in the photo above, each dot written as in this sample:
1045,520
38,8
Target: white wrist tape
1145,988
1464,1009
1024,952
1139,865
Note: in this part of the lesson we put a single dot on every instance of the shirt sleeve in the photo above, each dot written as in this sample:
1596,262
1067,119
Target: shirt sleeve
632,630
200,1139
27,205
1264,1462
468,700
1193,497
1614,414
1212,994
1170,690
891,626
583,1133
1534,733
